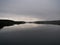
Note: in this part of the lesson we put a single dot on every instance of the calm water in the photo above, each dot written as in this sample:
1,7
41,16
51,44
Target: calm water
30,34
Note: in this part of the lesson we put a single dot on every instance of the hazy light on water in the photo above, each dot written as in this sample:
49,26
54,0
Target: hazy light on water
20,27
16,17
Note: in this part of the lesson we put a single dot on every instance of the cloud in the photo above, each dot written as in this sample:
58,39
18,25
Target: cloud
46,9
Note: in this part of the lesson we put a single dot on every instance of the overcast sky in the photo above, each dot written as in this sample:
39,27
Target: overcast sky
34,9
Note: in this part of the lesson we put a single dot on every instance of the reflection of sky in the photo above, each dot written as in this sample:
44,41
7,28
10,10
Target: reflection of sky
29,27
21,27
30,9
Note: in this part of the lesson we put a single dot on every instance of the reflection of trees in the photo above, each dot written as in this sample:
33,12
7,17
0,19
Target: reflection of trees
57,22
4,23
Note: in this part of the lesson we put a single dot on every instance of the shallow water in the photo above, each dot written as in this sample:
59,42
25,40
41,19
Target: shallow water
30,34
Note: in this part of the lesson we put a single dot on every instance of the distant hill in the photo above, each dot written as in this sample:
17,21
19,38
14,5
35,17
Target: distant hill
4,23
56,22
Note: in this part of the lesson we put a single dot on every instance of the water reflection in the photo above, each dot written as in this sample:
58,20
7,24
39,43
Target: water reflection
54,22
4,23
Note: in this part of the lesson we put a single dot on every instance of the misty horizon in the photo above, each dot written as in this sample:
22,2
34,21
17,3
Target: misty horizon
30,10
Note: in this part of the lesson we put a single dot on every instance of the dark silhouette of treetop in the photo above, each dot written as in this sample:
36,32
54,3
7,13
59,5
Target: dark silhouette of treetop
4,23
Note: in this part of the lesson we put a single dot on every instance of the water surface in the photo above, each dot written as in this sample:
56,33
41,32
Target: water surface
31,34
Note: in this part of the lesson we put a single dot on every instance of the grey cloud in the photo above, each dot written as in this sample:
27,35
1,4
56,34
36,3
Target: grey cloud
48,9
